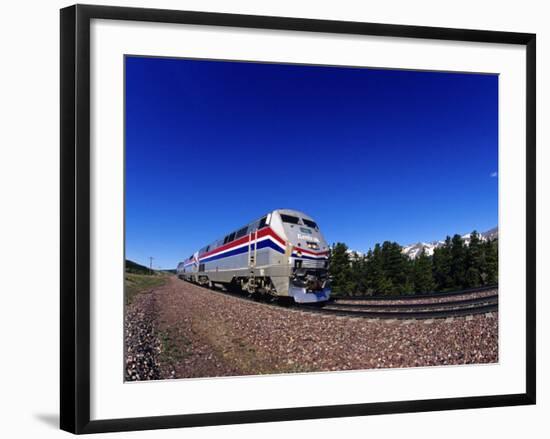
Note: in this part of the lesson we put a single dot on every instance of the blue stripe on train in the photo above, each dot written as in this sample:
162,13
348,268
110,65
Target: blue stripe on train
262,244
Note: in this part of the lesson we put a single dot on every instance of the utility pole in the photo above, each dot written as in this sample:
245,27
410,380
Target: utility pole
151,264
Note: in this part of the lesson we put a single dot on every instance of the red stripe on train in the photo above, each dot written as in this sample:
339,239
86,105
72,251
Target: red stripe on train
266,231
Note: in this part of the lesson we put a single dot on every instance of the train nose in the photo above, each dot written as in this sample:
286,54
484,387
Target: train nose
313,283
309,281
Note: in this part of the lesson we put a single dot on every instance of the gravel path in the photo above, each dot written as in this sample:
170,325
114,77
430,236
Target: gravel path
142,345
202,333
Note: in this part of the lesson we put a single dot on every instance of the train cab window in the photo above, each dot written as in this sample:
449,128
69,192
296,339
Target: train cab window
290,219
262,222
240,233
310,223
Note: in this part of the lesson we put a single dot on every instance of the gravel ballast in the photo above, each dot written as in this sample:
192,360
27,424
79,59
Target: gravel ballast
141,341
196,332
409,301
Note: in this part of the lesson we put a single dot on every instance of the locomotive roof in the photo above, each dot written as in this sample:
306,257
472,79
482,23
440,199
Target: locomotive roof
293,212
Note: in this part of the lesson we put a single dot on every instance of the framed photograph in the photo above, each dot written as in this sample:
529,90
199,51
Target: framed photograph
274,218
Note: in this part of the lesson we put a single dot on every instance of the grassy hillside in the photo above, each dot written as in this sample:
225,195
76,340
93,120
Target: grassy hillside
134,267
139,279
169,270
140,283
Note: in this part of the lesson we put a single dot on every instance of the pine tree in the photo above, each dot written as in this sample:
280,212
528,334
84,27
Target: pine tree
375,272
369,273
385,286
355,275
359,273
475,261
423,278
340,269
441,266
396,268
458,262
491,256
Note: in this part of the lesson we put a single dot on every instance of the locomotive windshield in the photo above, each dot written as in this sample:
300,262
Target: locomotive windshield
310,223
290,219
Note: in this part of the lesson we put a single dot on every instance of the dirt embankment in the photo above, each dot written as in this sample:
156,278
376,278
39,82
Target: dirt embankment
201,333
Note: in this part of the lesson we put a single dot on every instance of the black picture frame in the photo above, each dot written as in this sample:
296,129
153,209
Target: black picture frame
75,217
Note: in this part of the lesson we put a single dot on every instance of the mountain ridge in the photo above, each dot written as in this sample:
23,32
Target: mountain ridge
414,250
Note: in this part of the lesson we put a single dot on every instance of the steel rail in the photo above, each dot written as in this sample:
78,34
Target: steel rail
366,314
417,315
489,299
419,296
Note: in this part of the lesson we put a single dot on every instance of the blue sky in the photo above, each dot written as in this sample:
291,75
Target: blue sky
372,155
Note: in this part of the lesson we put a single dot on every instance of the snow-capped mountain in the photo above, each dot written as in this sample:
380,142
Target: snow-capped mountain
414,250
491,234
354,255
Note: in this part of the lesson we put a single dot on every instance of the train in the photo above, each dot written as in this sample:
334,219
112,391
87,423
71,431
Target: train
281,255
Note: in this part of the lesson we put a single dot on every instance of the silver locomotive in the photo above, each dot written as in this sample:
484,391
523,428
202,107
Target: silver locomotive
282,254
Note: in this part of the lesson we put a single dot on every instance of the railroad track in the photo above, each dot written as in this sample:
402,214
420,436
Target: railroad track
401,314
421,296
400,311
493,298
